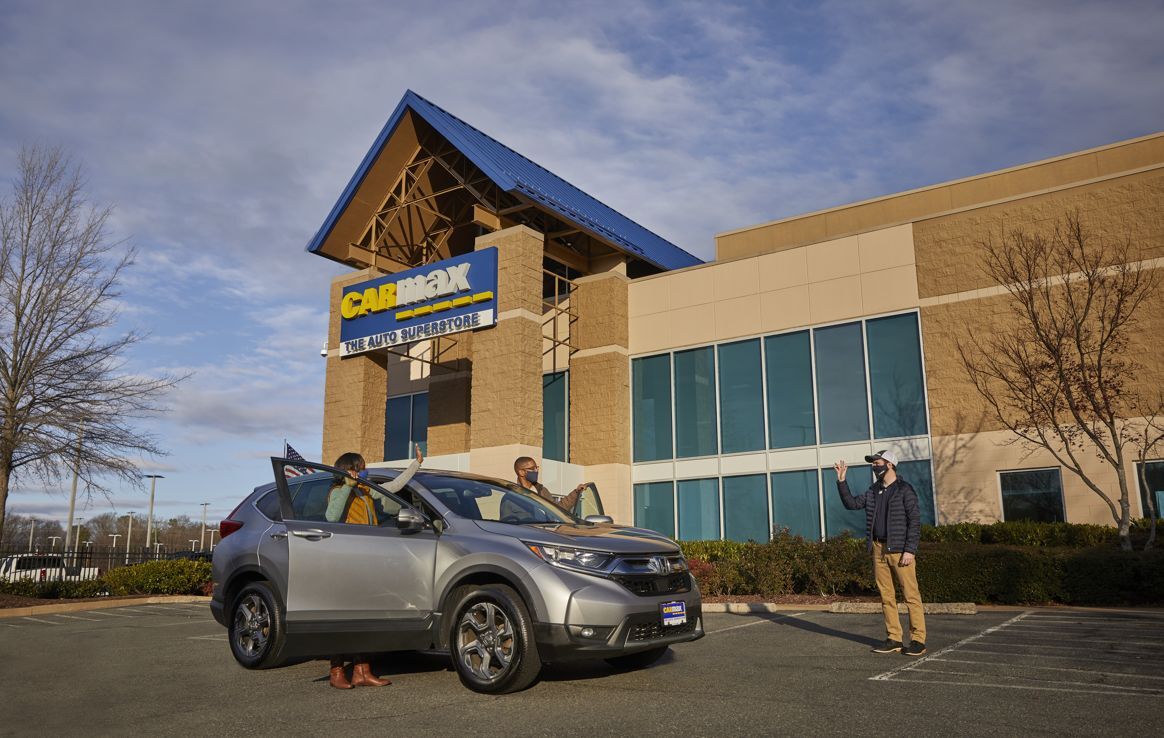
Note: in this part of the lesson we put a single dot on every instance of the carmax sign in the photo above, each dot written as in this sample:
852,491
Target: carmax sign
454,295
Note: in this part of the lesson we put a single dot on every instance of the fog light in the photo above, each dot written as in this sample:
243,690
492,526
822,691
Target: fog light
587,633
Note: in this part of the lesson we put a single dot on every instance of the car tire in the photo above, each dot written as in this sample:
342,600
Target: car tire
491,640
255,627
637,660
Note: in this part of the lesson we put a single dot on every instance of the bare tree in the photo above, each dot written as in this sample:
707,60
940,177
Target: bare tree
66,402
1061,375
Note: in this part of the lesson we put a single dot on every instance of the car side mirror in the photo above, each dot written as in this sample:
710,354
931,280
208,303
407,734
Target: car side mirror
598,519
410,521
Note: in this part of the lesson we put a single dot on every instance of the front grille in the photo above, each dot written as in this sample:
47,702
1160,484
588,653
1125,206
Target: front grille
651,631
648,586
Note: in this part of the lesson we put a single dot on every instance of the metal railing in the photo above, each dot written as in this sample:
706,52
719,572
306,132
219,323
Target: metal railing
17,563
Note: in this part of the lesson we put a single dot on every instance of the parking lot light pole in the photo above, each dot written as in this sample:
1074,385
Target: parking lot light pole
30,532
128,534
54,540
150,521
202,542
114,536
192,542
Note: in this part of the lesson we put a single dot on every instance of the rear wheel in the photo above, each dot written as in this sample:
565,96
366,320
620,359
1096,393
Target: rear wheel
491,642
637,660
256,627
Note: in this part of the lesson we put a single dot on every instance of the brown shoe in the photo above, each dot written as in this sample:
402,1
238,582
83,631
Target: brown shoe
362,676
336,676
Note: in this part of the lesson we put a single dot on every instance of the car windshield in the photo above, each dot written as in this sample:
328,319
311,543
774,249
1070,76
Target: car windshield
479,500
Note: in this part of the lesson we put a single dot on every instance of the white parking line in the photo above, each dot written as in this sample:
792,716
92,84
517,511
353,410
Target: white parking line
1080,632
754,622
75,617
10,625
110,614
885,676
1025,686
172,609
1089,619
48,622
1053,668
1078,649
1113,687
222,637
1050,656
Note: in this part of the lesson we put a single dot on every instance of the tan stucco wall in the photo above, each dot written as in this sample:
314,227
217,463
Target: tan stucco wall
820,283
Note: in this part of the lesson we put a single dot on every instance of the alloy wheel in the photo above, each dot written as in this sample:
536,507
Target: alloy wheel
485,641
252,625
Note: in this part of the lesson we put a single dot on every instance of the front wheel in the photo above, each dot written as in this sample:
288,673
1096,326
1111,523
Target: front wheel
637,660
256,627
492,643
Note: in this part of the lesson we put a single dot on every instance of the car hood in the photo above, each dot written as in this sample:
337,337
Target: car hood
618,539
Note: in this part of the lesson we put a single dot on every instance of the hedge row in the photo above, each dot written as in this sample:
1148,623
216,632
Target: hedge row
1029,533
179,576
947,572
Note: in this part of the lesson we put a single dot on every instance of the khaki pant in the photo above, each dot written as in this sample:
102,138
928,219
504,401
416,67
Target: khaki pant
885,568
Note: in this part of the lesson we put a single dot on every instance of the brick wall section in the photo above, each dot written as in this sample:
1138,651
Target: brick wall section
949,249
449,396
506,384
600,381
601,302
355,390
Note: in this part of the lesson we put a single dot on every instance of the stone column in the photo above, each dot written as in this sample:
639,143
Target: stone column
600,429
355,390
450,395
506,384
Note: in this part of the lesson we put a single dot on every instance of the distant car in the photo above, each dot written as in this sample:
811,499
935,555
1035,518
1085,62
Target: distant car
191,555
50,567
495,575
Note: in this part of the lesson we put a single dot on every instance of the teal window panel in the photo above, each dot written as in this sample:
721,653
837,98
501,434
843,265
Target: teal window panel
895,376
840,378
651,407
698,509
796,503
745,508
695,427
655,507
741,397
791,418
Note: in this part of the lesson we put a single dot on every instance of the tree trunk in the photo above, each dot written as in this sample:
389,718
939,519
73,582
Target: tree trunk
5,475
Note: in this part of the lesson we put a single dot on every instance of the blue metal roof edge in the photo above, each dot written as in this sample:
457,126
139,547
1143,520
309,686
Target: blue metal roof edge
656,249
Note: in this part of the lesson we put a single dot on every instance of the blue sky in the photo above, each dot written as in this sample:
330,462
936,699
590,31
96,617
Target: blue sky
223,132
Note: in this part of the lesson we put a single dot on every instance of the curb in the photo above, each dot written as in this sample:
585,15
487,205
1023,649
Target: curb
930,608
19,612
742,608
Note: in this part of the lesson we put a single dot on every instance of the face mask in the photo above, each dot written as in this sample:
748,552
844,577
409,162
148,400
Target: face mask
880,471
363,474
531,477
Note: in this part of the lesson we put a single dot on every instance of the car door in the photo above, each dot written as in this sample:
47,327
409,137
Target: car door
367,585
588,503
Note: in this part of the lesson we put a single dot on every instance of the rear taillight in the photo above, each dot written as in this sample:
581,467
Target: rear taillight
228,526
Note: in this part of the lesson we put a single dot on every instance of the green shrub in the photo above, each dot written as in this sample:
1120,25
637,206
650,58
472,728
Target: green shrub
177,576
54,590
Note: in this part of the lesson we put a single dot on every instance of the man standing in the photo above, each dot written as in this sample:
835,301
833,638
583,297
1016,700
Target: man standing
892,530
527,470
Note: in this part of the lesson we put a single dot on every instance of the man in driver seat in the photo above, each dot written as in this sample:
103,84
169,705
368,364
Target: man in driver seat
527,470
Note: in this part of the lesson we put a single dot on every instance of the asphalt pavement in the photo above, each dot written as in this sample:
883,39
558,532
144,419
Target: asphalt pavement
167,669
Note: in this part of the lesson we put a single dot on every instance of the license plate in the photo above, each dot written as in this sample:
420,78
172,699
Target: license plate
673,613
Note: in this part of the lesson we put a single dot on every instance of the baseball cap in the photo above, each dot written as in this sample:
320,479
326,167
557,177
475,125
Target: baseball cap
888,456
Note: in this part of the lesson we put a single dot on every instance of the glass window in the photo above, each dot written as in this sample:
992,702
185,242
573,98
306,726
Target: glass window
840,379
419,433
699,510
741,397
555,418
651,406
269,506
895,377
920,476
791,420
1032,494
838,518
695,403
796,503
397,428
1155,474
745,508
479,500
655,507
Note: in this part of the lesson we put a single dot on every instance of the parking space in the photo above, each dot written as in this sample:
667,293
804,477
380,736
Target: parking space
1079,652
803,673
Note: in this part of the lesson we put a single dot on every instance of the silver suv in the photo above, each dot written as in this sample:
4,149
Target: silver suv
494,575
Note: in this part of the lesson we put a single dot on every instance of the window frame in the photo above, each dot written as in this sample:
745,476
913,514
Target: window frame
1002,497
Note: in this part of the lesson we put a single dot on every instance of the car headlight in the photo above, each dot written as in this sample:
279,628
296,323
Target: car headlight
593,562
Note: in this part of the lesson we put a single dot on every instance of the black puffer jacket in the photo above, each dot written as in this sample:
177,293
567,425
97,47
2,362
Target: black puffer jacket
904,519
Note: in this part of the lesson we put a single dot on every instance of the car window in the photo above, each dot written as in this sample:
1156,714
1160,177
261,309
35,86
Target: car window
478,500
27,563
310,495
268,505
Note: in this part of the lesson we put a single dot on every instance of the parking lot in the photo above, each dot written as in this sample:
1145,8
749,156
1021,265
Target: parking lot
167,669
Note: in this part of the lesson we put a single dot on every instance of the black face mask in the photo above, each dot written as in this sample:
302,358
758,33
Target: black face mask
880,471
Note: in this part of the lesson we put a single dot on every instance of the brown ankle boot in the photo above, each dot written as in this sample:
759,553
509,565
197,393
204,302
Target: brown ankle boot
336,677
362,676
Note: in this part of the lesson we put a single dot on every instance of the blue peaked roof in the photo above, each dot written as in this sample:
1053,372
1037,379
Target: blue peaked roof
516,174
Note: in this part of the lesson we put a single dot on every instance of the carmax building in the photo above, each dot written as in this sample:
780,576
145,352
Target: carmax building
495,311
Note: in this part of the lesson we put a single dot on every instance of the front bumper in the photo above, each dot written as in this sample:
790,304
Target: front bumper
636,632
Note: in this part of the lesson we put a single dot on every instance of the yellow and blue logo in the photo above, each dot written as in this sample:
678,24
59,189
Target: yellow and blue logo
450,296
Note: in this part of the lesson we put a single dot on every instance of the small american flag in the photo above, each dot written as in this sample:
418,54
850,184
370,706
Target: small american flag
293,471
